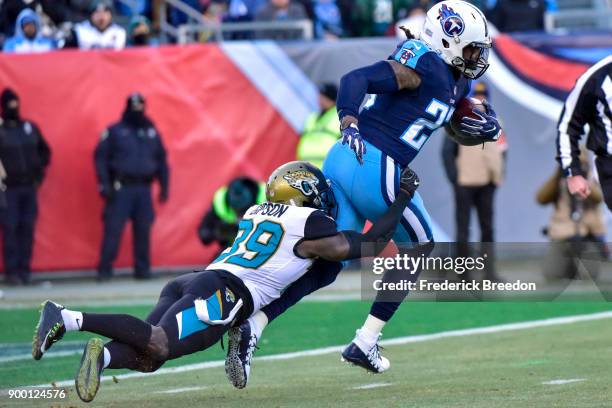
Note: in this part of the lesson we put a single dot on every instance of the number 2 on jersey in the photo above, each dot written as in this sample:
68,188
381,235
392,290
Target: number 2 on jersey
417,134
258,244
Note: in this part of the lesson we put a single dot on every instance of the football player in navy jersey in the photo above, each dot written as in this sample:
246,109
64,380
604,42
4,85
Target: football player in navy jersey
412,93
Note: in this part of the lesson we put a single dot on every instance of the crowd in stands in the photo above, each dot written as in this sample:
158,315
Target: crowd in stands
43,25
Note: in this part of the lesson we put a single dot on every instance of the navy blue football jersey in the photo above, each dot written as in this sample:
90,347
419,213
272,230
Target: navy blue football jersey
400,123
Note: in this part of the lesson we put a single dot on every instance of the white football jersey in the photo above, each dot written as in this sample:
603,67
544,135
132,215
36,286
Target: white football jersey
262,254
89,37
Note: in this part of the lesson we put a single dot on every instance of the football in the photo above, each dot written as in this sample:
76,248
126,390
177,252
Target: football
465,107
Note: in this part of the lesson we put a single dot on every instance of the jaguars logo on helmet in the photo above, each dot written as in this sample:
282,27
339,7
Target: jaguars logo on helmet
303,180
302,184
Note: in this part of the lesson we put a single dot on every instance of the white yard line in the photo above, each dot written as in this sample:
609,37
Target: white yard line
555,321
179,390
370,386
561,382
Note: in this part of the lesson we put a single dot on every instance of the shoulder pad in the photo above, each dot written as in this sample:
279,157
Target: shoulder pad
409,52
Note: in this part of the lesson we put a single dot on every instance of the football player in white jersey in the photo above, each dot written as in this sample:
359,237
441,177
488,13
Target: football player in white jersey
277,242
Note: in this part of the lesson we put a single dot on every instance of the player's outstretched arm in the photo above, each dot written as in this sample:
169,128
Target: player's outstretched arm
348,244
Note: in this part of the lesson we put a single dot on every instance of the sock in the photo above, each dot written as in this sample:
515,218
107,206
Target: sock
72,320
107,357
125,328
121,355
368,335
373,325
258,322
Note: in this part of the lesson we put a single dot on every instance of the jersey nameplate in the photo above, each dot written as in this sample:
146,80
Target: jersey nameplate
270,209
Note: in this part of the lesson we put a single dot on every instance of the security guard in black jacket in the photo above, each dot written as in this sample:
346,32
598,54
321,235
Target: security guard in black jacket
24,155
128,157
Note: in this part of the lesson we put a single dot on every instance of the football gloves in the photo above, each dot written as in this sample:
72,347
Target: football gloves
409,181
486,126
351,136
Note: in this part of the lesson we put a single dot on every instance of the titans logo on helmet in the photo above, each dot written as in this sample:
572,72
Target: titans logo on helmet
452,23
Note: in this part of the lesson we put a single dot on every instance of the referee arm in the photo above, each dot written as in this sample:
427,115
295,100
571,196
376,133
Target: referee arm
575,115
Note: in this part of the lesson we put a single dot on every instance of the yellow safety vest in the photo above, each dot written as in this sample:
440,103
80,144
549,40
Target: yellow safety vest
320,134
227,213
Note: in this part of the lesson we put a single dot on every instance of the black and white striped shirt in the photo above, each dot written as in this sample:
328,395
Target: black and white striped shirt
589,103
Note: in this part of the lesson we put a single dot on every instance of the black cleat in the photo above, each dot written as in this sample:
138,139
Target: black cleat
49,330
241,346
87,380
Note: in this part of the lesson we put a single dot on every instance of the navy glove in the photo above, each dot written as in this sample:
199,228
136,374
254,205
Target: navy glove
351,136
486,126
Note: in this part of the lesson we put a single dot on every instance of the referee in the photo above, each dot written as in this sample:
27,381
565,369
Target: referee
589,103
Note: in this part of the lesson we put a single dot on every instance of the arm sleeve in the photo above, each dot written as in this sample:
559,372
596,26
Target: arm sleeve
102,158
378,78
576,113
319,225
44,151
163,172
381,231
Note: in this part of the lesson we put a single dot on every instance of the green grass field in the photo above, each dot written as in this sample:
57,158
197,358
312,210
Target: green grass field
481,370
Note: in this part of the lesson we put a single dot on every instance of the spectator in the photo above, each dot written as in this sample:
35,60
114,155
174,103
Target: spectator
322,128
128,157
24,155
280,10
518,15
139,32
98,31
220,223
326,17
56,10
576,225
377,17
27,36
475,173
243,10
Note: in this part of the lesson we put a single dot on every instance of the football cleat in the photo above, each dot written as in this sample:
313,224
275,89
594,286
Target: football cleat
87,380
49,330
241,346
370,360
